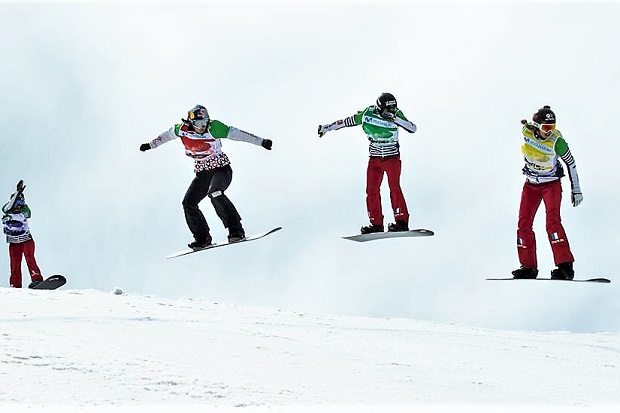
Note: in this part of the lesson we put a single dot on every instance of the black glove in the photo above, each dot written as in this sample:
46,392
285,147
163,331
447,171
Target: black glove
20,186
266,143
145,147
388,115
529,126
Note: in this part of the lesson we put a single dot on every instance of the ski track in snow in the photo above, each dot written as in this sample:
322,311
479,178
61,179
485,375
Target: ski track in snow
91,348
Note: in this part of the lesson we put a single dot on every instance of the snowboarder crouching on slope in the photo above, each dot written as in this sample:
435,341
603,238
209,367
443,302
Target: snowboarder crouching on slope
380,122
15,223
202,137
543,146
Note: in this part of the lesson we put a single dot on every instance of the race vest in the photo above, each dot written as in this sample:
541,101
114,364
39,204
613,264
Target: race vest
16,227
201,146
380,131
540,155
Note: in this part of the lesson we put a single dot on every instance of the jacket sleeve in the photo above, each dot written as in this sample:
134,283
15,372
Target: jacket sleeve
347,122
26,211
241,135
164,137
9,205
404,123
564,153
220,130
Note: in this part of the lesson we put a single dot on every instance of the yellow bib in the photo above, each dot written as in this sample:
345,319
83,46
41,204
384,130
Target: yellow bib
540,155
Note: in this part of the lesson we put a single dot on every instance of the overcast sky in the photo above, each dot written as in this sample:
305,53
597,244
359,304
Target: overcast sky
83,86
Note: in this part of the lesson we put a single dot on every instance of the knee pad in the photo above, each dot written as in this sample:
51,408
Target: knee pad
215,194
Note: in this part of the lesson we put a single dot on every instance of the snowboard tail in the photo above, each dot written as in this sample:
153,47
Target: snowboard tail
223,244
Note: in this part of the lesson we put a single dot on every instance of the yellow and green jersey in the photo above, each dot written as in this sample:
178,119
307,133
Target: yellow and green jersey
542,158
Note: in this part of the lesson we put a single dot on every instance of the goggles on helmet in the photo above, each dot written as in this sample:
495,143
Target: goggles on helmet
20,202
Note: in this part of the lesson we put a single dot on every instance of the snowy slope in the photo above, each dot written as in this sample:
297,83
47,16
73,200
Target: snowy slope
92,348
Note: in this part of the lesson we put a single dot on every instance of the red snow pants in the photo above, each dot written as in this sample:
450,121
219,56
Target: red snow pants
15,253
551,194
374,176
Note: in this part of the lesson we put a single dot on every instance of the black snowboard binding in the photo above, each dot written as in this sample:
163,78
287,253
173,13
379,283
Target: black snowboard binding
34,284
525,273
563,272
369,229
199,245
236,234
398,226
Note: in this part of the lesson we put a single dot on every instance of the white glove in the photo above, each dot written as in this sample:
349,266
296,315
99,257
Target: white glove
576,198
323,129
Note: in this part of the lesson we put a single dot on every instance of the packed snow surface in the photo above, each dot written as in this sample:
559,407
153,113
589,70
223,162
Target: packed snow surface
117,350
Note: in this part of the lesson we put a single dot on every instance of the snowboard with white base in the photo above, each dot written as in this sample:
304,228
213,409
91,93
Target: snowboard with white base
396,234
589,280
223,244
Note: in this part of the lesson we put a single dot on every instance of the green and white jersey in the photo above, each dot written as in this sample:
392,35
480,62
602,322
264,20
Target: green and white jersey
542,158
382,133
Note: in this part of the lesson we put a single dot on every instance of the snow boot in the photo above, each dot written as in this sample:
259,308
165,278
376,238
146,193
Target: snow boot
398,226
236,233
525,273
200,245
34,284
563,272
369,229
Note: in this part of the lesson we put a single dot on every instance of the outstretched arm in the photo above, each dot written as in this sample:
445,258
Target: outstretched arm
164,137
339,124
241,135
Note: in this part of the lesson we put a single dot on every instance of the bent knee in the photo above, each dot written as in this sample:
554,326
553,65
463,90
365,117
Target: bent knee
189,203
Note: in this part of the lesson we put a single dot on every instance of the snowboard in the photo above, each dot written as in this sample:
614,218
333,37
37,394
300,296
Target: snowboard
51,283
223,244
590,280
397,234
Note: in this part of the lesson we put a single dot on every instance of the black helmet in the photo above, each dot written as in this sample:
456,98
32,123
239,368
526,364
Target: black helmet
544,115
387,102
198,117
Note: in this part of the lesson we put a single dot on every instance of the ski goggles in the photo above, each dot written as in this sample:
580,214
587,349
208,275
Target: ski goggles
545,127
199,123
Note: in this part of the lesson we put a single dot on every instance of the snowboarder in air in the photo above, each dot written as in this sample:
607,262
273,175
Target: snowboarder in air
19,238
543,147
202,137
380,122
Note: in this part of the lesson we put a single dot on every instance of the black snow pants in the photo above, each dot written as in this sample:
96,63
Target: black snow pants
211,183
